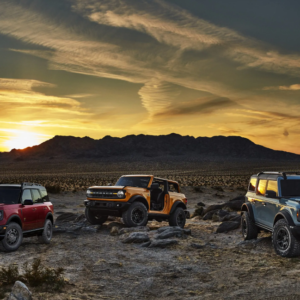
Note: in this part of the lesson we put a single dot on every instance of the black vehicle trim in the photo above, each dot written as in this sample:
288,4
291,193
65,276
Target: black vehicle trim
249,209
14,217
156,215
50,217
33,230
263,226
287,216
137,198
177,203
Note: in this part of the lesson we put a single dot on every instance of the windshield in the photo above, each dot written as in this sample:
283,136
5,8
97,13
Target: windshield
290,187
10,195
141,182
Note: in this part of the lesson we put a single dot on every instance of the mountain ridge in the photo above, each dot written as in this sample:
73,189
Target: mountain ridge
150,146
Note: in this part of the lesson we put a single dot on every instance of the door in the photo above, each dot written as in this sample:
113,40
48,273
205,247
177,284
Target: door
259,201
28,212
40,208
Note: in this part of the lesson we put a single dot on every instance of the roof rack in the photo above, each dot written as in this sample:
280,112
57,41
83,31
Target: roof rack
30,184
279,173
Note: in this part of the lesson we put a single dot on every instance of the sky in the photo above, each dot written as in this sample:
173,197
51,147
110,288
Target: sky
120,67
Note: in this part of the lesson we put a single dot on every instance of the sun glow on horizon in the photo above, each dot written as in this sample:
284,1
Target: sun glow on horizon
23,139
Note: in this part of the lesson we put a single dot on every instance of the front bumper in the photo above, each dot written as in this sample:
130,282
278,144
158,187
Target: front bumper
109,208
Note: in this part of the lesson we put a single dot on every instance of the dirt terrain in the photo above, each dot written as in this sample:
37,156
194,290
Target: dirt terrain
203,265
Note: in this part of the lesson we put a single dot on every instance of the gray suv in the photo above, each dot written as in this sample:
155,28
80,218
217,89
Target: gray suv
273,204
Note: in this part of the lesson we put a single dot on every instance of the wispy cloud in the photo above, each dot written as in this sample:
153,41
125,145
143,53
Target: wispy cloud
293,87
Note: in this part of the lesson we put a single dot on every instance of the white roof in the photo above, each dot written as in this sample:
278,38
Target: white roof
14,185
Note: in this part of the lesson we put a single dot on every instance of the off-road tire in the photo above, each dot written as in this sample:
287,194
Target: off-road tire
94,218
135,215
249,229
178,218
13,237
284,243
47,233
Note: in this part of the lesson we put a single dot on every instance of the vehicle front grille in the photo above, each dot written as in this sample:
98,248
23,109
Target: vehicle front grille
103,194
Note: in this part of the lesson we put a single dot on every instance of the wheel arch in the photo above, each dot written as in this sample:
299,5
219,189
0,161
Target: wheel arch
246,207
16,219
177,204
139,198
284,214
50,217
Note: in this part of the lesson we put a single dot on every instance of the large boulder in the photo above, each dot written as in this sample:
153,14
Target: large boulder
20,292
198,211
227,226
172,232
208,216
213,207
234,205
136,237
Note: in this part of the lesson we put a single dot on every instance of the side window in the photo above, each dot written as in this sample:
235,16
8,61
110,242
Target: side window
273,186
173,187
261,190
45,197
36,197
252,184
26,195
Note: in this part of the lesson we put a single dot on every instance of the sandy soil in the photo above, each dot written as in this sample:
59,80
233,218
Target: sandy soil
204,265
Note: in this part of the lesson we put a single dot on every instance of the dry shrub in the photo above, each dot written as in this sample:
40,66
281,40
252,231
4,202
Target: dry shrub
35,275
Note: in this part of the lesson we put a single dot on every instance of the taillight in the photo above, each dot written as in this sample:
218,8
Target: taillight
185,200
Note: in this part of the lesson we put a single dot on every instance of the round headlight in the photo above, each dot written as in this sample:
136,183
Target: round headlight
121,194
89,192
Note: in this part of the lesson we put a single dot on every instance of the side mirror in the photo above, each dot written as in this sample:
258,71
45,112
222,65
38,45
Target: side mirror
270,194
28,202
109,184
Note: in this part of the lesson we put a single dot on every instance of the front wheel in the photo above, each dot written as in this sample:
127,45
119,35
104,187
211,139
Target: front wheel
47,233
13,237
283,240
178,218
135,215
94,218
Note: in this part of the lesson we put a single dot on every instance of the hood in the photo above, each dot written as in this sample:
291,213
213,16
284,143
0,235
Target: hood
108,187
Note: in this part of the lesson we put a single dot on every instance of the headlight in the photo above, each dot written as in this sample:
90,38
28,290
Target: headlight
1,215
89,192
121,194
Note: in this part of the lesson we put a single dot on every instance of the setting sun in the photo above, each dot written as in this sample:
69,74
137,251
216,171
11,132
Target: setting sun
23,139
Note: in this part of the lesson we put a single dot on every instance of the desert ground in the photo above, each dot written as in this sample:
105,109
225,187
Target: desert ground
200,265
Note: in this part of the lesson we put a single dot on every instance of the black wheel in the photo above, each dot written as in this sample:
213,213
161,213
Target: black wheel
249,229
135,215
283,240
178,218
47,233
13,237
94,218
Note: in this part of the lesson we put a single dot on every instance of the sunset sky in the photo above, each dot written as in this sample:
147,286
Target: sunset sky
119,67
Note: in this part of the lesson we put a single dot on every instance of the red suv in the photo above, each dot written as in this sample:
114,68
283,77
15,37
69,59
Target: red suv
25,210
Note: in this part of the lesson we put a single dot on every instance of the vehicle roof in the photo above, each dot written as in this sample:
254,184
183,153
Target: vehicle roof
12,185
24,185
143,175
276,175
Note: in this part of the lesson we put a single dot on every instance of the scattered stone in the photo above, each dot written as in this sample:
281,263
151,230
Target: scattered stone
213,208
234,205
215,218
136,237
115,224
197,246
209,215
221,213
162,243
146,244
20,292
134,229
227,226
198,211
236,218
200,204
171,232
114,231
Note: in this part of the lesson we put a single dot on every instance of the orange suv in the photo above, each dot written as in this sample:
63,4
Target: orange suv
137,199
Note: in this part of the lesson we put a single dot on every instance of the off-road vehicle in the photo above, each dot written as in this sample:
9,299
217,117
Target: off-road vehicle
25,210
273,204
137,199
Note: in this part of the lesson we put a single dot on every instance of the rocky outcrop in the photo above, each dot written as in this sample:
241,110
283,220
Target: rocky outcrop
20,292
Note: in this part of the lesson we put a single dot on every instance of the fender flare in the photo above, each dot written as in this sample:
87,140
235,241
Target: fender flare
139,198
15,217
248,208
50,217
286,215
176,204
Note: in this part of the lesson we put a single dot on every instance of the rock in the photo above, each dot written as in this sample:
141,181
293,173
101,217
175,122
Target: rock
227,226
236,218
200,204
162,229
162,243
221,213
215,218
209,215
213,208
197,246
115,224
136,237
198,211
235,205
20,292
134,229
114,231
146,244
173,232
238,198
66,217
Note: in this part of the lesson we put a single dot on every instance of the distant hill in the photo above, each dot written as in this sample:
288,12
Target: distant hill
150,147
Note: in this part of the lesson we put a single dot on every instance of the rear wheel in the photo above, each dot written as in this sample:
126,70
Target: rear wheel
94,218
47,233
135,215
178,218
249,229
13,237
283,240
